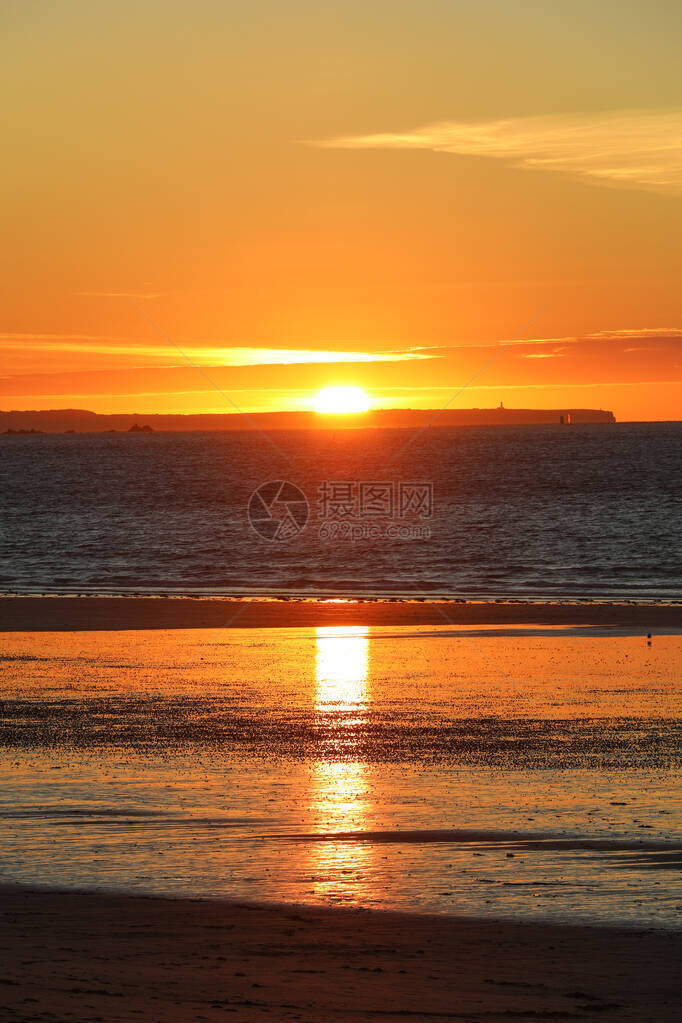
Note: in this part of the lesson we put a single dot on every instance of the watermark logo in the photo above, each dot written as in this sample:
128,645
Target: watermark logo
344,500
278,511
374,510
346,510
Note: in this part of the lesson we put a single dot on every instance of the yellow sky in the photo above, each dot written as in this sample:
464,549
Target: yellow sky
405,184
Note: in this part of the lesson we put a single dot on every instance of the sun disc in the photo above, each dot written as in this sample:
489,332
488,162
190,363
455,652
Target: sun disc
341,400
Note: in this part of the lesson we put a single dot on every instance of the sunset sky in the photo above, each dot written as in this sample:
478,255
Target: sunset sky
309,194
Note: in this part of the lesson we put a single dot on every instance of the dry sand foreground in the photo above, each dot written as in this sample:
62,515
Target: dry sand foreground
81,957
44,614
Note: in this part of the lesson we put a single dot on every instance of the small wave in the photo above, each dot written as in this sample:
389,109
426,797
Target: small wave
532,841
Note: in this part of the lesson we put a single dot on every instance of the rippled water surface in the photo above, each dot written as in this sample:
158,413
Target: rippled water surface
534,774
587,511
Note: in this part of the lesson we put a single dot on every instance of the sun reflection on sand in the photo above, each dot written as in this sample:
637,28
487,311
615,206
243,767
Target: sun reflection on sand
341,668
339,795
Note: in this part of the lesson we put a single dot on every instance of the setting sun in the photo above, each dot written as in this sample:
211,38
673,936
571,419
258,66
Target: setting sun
341,400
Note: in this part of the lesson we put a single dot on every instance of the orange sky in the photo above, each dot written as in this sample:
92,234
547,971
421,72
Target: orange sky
408,185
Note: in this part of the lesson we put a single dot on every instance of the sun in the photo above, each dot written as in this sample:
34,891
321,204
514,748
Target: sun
341,400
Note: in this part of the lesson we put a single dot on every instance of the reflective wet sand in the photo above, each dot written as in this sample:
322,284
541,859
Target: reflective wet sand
529,774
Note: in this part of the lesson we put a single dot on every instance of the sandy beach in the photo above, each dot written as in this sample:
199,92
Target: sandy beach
117,958
83,957
71,613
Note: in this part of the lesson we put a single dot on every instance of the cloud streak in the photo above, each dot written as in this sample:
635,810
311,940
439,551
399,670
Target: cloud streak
632,149
213,355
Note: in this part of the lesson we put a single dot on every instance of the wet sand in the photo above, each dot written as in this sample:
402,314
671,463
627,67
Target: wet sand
62,613
118,958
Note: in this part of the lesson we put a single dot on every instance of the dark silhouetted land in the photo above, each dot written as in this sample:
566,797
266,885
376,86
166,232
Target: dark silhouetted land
82,421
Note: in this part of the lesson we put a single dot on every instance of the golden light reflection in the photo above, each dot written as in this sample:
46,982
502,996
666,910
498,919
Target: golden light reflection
339,797
340,794
342,659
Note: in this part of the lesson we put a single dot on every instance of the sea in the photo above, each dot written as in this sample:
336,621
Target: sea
580,512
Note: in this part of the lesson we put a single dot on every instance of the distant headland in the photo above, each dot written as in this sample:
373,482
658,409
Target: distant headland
83,421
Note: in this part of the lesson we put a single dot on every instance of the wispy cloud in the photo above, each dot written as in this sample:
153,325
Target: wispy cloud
294,356
542,355
117,294
637,149
561,345
638,332
203,353
647,336
217,354
7,338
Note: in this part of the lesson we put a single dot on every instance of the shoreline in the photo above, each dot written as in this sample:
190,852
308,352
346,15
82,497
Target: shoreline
84,956
113,613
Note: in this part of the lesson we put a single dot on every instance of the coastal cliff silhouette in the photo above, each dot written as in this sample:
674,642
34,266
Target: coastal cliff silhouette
83,421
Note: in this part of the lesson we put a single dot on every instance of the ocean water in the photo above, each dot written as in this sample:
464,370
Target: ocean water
533,775
583,511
